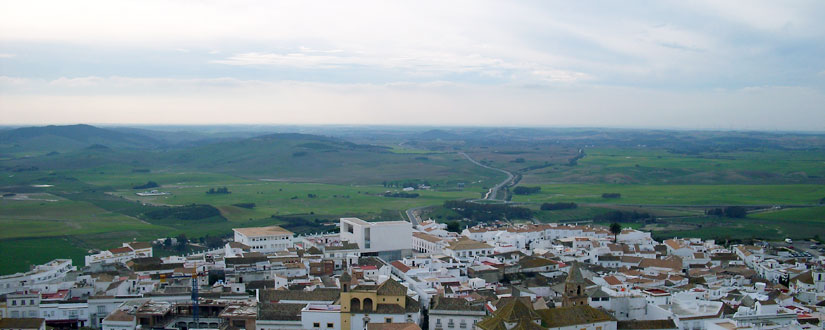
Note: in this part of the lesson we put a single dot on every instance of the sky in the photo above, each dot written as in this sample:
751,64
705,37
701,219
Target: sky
744,65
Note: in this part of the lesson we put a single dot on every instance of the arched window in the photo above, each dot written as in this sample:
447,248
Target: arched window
579,290
354,304
367,305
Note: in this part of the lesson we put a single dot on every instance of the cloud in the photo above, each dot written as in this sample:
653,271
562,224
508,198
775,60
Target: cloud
6,55
236,101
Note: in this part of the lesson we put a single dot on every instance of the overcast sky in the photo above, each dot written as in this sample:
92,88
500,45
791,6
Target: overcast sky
668,64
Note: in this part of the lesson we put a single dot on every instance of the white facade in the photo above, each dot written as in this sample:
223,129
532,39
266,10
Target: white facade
264,239
384,236
448,319
321,317
53,271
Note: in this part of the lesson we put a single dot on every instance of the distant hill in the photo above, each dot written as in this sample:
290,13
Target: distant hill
44,139
284,156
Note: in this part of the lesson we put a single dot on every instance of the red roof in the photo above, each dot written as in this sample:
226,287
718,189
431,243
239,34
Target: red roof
612,280
401,266
124,249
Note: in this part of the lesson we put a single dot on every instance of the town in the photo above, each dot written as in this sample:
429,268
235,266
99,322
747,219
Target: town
401,275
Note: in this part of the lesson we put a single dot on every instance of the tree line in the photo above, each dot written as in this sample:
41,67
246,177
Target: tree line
488,212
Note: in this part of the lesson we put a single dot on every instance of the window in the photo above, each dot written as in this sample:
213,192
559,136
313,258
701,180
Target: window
387,320
14,302
330,325
316,324
23,302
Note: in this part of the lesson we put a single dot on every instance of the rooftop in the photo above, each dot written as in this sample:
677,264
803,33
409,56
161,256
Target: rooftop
262,231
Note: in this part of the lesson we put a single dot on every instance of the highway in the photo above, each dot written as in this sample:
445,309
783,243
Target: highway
493,192
490,195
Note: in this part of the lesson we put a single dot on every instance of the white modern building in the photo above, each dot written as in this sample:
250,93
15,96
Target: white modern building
264,239
390,240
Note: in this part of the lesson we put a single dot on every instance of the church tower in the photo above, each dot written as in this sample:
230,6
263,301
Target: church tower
574,288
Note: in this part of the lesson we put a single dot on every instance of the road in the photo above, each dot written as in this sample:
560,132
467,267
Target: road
490,195
493,192
413,217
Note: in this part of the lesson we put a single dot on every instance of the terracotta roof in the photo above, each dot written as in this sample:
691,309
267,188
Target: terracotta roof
401,266
572,315
672,262
391,288
533,262
426,237
646,324
517,312
673,244
140,245
320,294
465,243
239,245
262,231
393,326
119,316
612,280
124,249
21,323
455,304
280,311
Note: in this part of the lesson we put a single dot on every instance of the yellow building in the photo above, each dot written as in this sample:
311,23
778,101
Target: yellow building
370,303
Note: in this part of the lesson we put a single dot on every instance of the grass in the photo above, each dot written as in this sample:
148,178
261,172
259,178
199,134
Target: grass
657,166
743,229
26,219
813,214
679,194
19,254
282,198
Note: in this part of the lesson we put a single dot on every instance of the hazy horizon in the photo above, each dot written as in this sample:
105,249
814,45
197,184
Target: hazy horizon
705,65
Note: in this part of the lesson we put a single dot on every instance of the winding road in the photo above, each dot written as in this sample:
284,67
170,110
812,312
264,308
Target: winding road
490,195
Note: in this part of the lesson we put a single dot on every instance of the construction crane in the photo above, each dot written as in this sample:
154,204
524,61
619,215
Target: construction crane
195,285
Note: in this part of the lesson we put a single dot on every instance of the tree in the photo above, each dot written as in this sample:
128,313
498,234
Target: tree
454,226
615,229
167,243
181,242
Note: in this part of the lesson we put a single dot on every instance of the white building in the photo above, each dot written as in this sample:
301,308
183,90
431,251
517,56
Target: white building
390,240
119,320
264,239
426,243
452,313
51,272
126,252
465,249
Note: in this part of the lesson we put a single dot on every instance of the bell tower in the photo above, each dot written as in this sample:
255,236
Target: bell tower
574,288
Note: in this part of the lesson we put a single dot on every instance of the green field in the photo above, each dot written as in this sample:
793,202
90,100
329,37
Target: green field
657,166
807,194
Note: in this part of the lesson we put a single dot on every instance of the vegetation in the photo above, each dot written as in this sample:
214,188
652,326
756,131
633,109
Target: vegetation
245,205
147,185
558,206
621,216
83,198
221,190
488,212
401,194
611,195
522,190
730,212
187,212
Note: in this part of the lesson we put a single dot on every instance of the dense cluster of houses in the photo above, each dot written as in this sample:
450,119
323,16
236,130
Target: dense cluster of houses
391,275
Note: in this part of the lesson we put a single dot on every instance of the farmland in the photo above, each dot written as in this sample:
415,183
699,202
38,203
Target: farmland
64,198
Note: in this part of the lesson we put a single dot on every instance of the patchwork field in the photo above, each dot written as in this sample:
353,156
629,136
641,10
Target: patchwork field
805,194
